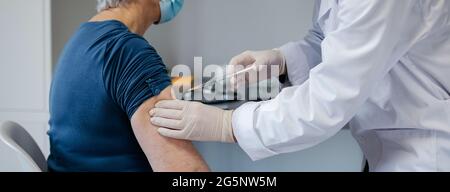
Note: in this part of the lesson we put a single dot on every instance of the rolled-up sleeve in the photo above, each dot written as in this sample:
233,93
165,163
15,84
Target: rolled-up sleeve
245,133
134,73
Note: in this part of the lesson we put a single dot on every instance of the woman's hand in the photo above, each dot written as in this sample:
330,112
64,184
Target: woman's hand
262,62
192,121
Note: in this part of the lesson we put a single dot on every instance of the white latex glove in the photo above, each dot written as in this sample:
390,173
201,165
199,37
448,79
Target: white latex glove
260,61
192,121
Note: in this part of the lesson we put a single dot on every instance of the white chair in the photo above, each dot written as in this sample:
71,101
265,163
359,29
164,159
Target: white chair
26,153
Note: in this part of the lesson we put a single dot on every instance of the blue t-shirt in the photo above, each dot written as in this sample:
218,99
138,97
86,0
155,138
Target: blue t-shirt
104,74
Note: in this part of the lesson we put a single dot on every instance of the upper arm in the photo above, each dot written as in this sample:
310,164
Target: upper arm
164,154
135,78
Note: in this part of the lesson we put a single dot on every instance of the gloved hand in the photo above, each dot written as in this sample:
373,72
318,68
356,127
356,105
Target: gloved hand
192,121
261,61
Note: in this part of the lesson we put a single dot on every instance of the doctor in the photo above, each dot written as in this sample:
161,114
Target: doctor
381,65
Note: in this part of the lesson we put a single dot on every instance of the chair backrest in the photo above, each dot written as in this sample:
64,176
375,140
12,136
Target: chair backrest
28,154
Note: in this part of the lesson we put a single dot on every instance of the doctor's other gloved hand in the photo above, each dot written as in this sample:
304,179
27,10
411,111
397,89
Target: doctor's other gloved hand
260,62
192,121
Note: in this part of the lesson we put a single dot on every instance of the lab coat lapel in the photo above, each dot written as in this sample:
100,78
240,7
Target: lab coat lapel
325,7
325,17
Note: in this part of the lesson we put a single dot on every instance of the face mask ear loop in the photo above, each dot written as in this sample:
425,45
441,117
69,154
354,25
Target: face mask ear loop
169,10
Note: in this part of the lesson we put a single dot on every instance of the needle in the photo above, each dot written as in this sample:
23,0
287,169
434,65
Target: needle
215,79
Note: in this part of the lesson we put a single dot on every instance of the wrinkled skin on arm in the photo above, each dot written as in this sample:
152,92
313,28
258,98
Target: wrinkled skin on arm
164,154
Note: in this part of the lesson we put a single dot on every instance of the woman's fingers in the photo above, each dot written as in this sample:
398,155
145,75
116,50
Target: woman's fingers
171,104
167,123
167,113
171,133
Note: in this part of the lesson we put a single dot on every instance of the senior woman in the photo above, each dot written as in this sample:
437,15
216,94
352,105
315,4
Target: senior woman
107,80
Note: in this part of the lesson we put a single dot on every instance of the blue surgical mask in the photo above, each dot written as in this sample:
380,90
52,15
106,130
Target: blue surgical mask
169,9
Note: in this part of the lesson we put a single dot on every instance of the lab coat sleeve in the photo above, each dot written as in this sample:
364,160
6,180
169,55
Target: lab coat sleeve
303,55
355,56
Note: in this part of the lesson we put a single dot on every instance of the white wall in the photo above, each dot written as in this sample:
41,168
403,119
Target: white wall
220,29
25,58
67,15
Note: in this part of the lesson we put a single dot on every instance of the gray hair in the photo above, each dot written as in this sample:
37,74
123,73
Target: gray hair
108,4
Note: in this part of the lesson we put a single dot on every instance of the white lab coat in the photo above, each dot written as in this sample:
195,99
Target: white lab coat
383,66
